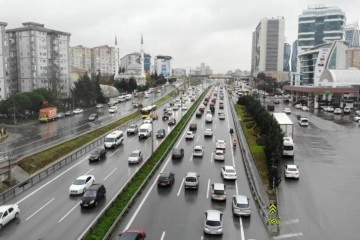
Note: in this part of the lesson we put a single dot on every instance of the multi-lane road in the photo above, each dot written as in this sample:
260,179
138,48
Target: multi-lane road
176,214
47,210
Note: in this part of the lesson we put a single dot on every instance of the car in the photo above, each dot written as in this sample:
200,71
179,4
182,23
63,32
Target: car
329,109
172,121
198,114
228,173
287,110
80,185
213,222
222,116
69,113
166,179
160,133
60,115
298,106
193,127
177,153
305,108
93,117
241,206
357,118
99,105
113,109
97,155
191,180
93,195
303,121
175,108
132,129
347,110
148,121
208,132
135,157
169,110
220,144
218,191
198,151
189,135
184,108
165,116
219,155
337,111
8,213
276,101
78,111
357,112
291,171
133,234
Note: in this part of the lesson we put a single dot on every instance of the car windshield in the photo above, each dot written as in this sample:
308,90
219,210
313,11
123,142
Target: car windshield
95,153
134,154
177,151
230,170
90,193
191,179
93,115
219,192
219,153
132,127
164,177
109,139
197,150
292,169
288,148
213,223
242,205
79,182
160,131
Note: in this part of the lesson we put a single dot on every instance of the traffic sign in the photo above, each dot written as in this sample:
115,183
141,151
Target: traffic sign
273,221
272,208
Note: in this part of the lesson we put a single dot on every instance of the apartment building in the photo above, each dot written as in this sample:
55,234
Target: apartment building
104,60
353,58
3,62
80,59
163,65
38,58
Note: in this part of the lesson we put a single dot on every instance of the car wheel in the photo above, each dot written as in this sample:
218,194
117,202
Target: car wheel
84,190
16,215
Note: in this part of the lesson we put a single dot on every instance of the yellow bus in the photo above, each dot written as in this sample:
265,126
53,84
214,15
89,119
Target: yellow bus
146,112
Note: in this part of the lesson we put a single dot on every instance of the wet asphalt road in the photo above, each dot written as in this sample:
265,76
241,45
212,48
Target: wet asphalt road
323,203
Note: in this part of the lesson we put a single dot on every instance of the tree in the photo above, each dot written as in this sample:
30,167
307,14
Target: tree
261,75
132,84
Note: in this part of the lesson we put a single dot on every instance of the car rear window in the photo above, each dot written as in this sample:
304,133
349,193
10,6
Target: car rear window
213,223
219,192
242,205
191,179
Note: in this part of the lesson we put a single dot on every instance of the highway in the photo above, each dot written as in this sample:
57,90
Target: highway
47,210
175,214
25,139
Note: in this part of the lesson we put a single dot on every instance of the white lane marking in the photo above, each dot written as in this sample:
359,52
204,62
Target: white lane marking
162,236
202,237
191,158
197,138
40,209
241,229
181,186
290,222
88,171
72,209
236,188
208,189
146,196
212,156
202,125
214,126
290,235
110,174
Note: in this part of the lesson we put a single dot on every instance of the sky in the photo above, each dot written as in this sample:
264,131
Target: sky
215,32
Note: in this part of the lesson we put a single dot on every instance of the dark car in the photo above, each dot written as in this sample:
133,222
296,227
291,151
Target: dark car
60,115
69,113
133,234
198,114
165,117
177,153
93,117
160,133
93,195
166,179
172,122
97,155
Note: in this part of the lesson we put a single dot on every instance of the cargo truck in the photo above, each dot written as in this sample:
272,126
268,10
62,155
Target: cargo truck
47,114
285,124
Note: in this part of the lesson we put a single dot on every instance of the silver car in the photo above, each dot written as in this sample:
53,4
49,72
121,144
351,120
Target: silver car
213,222
241,205
135,157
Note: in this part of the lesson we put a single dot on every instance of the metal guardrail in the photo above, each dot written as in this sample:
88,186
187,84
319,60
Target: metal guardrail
261,200
62,162
116,223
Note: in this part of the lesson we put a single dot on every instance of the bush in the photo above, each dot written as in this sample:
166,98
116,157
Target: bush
250,124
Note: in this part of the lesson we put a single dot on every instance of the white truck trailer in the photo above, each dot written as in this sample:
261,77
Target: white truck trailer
285,124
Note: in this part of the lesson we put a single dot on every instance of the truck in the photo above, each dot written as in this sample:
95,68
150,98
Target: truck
145,131
47,114
285,123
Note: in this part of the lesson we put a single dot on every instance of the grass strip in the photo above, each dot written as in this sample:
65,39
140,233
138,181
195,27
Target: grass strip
256,150
34,163
105,222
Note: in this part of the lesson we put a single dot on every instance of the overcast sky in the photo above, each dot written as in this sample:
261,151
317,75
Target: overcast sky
216,32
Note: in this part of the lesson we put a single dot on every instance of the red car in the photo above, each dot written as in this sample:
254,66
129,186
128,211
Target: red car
133,234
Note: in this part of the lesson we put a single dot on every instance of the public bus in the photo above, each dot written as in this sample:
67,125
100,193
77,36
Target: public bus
146,112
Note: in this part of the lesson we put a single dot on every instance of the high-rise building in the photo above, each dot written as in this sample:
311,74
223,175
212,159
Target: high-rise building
353,58
287,54
104,60
80,59
3,62
163,65
268,48
38,58
294,55
131,62
352,35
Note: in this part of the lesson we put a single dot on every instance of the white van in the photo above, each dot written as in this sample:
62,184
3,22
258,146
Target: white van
121,98
114,139
208,118
145,131
288,147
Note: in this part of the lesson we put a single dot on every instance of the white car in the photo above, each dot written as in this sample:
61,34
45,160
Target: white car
147,121
222,116
80,185
305,108
287,110
135,157
113,109
357,118
220,144
208,132
298,106
303,121
78,110
8,213
184,108
228,173
198,151
329,109
99,105
292,171
347,110
213,222
189,135
337,111
357,112
219,155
